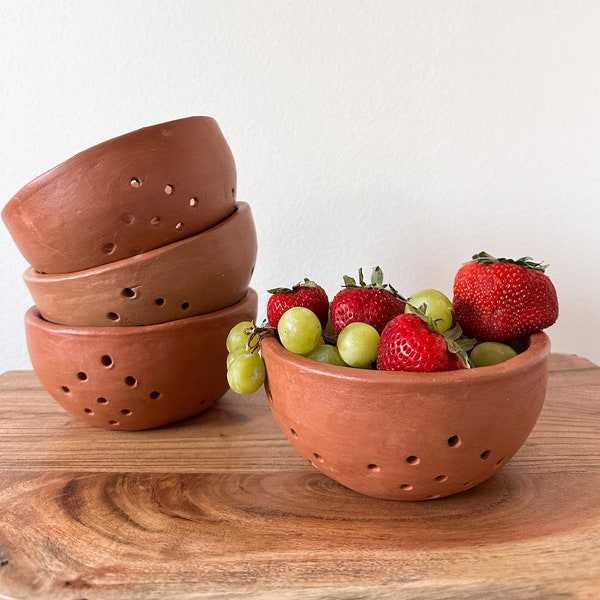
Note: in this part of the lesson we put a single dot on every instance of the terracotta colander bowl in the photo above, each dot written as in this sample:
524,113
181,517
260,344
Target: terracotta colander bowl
125,196
136,377
193,276
407,436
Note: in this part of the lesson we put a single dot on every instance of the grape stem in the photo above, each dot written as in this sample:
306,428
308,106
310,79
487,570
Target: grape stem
256,334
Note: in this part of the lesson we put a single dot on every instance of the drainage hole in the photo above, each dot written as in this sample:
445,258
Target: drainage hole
294,434
112,316
454,441
441,478
155,395
318,457
374,468
82,376
125,411
135,182
66,389
88,411
106,360
113,422
109,248
185,305
413,460
128,293
159,302
179,226
101,400
406,487
155,221
193,202
169,189
485,454
130,381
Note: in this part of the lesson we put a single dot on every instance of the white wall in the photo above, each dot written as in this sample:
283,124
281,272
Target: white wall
400,133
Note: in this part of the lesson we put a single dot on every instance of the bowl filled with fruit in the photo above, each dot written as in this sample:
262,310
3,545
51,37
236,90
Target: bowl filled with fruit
405,398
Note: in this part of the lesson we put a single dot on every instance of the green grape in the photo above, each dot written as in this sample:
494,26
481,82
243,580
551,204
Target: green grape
233,355
357,344
246,373
299,330
486,354
439,307
326,353
237,338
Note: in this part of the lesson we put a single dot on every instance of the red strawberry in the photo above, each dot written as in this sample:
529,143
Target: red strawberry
307,294
410,342
498,299
375,304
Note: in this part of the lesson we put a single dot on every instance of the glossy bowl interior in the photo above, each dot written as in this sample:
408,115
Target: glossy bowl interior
134,378
125,196
193,276
407,436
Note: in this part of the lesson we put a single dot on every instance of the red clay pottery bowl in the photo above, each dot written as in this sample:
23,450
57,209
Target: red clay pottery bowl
125,196
407,436
193,276
136,377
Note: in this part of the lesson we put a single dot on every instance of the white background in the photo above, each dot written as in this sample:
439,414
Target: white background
403,134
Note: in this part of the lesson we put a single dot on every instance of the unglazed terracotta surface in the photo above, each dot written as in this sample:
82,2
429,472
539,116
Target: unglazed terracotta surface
136,377
407,436
193,276
125,196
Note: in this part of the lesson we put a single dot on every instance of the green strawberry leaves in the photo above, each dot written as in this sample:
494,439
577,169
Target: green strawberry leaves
376,282
455,341
525,261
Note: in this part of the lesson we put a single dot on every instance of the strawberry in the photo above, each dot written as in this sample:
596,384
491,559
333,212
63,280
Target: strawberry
499,299
411,342
307,294
376,303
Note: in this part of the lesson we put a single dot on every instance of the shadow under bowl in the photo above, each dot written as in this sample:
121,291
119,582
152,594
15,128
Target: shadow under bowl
125,196
407,436
196,275
134,378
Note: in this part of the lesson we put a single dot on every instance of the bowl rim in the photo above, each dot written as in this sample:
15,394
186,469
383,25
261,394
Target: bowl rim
31,274
536,352
34,319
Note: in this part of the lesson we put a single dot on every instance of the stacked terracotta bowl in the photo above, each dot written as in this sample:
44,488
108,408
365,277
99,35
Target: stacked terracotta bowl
140,263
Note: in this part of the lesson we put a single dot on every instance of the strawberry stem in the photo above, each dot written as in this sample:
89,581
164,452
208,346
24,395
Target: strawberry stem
524,261
376,282
283,290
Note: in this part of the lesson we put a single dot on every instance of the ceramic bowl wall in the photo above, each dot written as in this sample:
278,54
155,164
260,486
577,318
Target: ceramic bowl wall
407,436
125,196
193,276
136,377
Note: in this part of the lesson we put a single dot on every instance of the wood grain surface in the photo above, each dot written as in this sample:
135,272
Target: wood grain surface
221,506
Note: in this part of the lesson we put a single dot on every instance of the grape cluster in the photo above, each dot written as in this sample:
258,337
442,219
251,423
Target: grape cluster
245,366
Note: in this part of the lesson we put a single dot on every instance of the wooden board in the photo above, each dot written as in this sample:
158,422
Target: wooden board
221,506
